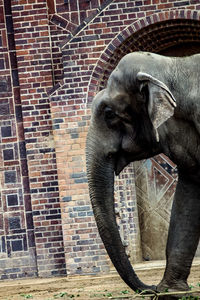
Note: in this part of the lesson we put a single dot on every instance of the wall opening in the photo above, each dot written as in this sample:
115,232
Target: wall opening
178,37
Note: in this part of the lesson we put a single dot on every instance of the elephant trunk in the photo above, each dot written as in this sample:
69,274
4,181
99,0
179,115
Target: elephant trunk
101,188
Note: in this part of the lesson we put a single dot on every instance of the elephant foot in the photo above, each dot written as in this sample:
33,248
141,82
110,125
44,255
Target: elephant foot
172,287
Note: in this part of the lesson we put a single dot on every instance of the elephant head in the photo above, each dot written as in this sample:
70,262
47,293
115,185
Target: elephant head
126,117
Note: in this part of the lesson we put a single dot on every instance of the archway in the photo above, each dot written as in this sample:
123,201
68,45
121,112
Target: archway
172,34
178,37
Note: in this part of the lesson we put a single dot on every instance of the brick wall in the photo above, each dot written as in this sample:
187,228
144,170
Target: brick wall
45,214
32,227
33,51
17,240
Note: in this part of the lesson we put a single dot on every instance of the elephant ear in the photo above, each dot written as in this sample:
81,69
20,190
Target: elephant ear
161,101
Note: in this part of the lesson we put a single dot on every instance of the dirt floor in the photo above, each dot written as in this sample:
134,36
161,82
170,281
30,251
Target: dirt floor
88,287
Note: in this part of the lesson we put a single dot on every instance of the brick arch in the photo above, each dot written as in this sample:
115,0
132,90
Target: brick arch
153,33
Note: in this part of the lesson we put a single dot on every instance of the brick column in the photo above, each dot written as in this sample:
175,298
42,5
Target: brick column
17,243
33,50
84,251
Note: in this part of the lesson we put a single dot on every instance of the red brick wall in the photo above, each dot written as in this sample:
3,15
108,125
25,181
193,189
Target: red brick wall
47,220
17,239
38,228
34,59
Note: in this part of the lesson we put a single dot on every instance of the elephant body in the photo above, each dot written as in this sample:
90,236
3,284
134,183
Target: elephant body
151,105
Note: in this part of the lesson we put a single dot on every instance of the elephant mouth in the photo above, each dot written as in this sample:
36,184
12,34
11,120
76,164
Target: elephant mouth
124,159
120,164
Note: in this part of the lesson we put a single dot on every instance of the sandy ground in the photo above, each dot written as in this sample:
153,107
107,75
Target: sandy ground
88,287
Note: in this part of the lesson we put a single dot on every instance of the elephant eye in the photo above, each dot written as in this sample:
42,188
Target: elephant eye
109,113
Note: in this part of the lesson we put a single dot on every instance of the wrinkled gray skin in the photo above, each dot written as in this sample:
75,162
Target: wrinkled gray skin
133,118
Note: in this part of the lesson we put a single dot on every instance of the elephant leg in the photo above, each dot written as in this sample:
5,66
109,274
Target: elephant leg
183,236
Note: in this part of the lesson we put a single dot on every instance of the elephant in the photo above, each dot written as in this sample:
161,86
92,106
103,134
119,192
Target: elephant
150,105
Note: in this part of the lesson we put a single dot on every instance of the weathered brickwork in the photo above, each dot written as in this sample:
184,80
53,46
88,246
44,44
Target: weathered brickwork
35,77
30,200
55,56
17,241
